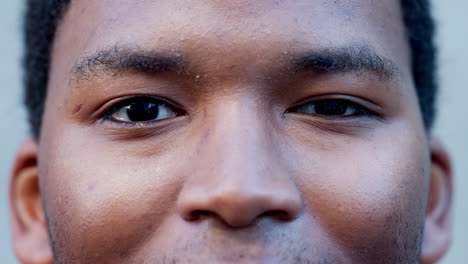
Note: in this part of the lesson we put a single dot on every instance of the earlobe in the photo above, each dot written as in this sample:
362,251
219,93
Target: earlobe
28,222
437,230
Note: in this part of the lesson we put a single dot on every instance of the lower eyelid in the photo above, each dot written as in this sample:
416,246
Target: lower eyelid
143,124
141,132
344,126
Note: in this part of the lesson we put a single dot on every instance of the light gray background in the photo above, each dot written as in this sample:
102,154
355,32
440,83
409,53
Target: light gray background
452,125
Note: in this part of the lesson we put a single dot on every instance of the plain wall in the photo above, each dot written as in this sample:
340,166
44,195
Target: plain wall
451,127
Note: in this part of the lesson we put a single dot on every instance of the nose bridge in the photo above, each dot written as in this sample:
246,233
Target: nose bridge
239,133
239,147
239,177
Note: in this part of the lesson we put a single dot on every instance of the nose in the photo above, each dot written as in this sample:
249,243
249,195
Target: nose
239,176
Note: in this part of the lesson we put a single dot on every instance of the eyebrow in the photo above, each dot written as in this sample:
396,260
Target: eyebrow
357,58
116,60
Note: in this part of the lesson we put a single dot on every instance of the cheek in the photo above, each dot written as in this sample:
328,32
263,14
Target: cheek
366,193
101,202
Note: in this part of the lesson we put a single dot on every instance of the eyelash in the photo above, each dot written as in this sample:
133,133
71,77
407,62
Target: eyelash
113,109
362,111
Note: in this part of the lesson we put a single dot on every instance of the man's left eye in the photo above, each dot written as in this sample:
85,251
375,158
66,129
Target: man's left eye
332,108
144,109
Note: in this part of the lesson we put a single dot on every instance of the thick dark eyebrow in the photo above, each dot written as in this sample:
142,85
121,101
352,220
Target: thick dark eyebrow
349,59
115,60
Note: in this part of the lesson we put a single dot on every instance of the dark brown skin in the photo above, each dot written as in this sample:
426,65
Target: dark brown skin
237,174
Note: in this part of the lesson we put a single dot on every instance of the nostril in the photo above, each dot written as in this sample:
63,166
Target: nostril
197,215
240,206
280,215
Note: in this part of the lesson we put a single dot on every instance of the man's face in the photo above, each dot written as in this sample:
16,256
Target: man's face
233,132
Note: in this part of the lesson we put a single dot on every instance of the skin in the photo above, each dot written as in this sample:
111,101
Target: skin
238,176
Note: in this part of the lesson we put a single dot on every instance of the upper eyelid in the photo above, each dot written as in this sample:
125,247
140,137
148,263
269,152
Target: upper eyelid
330,99
336,96
365,112
349,103
105,111
121,102
367,104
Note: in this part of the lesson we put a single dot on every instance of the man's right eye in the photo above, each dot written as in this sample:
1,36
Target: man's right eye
140,109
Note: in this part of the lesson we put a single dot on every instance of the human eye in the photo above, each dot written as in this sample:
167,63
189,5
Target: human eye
332,108
138,110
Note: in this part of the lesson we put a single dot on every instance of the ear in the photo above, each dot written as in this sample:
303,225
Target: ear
437,230
31,242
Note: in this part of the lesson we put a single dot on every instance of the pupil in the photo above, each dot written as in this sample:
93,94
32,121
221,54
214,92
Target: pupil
142,111
330,108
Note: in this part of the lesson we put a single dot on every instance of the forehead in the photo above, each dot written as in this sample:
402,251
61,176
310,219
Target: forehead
228,29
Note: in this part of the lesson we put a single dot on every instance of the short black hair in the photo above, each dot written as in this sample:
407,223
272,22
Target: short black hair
43,16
